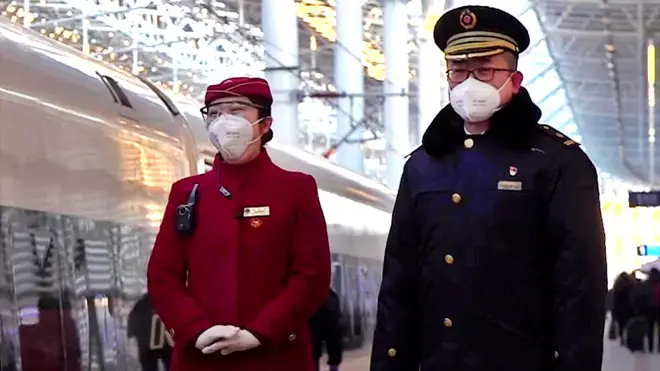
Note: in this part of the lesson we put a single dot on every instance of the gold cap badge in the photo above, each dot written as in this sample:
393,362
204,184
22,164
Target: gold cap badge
468,19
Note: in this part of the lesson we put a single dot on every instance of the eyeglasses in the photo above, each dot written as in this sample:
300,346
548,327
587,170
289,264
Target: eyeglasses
213,111
484,74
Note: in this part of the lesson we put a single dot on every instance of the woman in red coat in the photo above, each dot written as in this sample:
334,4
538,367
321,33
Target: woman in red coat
236,282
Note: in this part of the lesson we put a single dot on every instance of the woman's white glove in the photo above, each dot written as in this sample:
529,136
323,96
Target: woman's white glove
215,333
241,341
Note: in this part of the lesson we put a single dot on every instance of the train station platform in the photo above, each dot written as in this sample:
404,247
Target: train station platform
615,358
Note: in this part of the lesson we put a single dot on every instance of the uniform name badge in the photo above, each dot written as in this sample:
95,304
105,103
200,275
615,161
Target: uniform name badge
253,212
508,185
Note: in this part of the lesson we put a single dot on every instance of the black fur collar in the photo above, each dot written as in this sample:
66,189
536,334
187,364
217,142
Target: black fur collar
514,125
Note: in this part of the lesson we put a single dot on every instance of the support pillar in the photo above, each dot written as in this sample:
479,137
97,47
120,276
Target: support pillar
396,115
349,79
433,90
279,23
643,93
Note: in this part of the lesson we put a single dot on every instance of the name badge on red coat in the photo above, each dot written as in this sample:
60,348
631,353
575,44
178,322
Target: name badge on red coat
253,212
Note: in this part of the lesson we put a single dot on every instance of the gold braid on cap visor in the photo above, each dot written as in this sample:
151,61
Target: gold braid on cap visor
478,40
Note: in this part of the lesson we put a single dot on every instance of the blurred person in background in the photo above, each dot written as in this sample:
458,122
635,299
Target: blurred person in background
242,257
52,344
153,342
325,330
654,313
622,309
495,260
646,305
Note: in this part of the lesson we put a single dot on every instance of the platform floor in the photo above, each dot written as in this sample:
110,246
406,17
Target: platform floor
616,358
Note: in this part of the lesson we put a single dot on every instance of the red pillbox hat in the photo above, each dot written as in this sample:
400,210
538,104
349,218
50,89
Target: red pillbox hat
254,88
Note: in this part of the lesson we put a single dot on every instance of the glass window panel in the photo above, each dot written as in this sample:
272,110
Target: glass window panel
515,7
539,51
531,67
537,48
538,55
541,87
554,102
532,23
569,128
547,117
561,117
551,117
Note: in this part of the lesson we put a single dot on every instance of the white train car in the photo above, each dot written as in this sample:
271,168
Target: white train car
87,156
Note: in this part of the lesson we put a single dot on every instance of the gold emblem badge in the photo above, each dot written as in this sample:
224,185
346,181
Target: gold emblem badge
255,222
468,19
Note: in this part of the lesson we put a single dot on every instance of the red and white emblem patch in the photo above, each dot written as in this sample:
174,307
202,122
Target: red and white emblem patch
513,170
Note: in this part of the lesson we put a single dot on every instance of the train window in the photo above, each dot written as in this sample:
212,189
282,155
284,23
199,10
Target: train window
117,92
114,97
163,97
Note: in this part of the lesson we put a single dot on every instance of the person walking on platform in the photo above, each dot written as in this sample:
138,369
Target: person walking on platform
242,258
654,312
495,260
622,305
153,342
646,302
325,329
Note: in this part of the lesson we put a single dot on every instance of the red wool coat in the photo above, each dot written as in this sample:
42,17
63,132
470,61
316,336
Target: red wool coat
267,274
52,344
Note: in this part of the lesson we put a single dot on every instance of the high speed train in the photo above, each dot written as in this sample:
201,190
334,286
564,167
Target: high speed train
87,156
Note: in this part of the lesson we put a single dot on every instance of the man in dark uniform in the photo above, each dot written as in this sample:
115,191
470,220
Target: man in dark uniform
495,259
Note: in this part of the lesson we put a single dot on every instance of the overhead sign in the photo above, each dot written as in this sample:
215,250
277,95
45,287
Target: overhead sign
648,250
644,199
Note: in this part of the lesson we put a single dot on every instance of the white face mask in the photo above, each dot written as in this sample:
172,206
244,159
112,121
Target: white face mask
475,100
231,135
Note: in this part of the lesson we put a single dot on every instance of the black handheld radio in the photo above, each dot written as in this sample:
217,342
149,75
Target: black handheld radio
185,214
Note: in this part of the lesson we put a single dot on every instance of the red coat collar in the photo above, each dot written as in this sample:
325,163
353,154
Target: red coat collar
260,163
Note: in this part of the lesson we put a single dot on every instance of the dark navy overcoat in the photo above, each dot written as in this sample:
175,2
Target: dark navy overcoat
496,256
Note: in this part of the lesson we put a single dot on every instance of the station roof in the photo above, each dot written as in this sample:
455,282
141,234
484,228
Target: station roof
585,66
187,44
599,52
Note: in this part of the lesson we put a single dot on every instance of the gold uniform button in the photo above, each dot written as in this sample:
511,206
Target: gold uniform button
469,143
449,259
292,337
448,322
391,352
456,198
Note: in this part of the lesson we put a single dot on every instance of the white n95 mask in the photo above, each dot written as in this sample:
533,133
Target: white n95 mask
475,100
231,135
